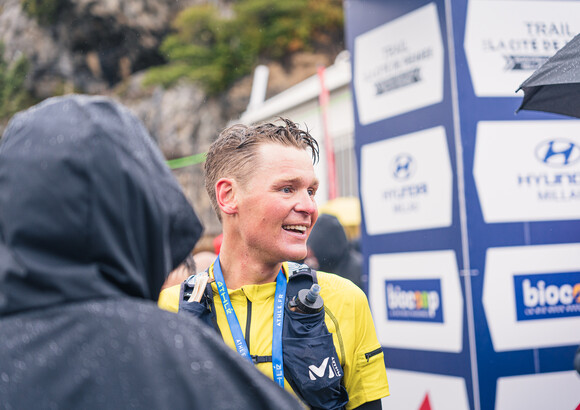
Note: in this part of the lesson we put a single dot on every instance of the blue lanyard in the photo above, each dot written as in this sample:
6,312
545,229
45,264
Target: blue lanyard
238,336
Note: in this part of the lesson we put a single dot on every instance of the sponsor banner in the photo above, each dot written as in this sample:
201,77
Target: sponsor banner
416,300
425,391
531,296
524,34
399,66
558,390
547,296
528,170
406,183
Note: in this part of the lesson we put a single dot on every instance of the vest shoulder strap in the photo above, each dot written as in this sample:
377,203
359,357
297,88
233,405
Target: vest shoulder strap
300,276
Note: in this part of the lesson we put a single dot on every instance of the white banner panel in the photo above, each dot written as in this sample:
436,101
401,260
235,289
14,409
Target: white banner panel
399,66
506,41
415,390
416,300
531,296
528,170
406,183
559,390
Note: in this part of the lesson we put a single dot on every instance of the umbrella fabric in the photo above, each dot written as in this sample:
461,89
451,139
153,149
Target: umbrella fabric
555,86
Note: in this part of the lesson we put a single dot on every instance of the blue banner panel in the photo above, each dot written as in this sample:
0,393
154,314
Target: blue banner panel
465,205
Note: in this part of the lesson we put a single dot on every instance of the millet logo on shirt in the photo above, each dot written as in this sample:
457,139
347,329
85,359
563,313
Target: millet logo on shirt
318,371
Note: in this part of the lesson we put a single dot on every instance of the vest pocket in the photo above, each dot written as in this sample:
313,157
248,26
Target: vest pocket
373,353
311,364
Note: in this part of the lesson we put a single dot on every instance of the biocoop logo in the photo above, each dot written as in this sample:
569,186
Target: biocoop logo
547,296
415,300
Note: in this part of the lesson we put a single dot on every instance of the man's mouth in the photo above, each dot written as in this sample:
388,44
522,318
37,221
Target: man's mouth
295,228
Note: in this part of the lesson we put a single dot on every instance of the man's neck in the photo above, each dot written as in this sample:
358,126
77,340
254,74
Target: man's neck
244,270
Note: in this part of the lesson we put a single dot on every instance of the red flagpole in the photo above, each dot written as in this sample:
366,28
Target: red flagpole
323,100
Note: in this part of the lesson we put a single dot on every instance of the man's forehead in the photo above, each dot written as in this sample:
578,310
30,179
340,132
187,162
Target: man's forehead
285,164
275,155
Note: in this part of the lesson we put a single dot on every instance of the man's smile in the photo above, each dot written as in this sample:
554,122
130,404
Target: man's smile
295,228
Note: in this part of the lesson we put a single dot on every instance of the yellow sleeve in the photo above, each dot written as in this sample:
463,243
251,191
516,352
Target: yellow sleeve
169,299
369,379
365,375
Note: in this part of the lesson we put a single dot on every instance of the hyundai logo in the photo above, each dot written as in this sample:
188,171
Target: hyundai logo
558,152
403,166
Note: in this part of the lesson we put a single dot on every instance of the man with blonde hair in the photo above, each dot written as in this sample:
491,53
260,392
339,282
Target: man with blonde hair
262,184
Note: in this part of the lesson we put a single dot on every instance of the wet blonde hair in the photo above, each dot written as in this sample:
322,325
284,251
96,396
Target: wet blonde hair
233,153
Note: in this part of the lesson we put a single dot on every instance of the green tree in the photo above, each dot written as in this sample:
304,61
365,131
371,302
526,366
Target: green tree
44,11
13,94
215,51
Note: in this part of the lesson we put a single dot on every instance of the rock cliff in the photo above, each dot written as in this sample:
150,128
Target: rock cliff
104,46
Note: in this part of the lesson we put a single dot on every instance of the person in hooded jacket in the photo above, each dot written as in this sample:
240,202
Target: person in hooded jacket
91,222
330,251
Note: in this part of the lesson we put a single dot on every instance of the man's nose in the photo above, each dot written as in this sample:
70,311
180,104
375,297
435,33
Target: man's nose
306,203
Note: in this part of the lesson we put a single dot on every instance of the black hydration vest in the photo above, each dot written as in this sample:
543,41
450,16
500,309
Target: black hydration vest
311,364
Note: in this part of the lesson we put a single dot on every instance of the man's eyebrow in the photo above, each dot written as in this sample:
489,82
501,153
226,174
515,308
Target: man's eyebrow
297,180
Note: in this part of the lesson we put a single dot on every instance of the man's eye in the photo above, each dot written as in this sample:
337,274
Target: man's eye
311,192
287,190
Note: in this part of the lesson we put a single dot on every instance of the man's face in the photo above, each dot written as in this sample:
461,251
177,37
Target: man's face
276,207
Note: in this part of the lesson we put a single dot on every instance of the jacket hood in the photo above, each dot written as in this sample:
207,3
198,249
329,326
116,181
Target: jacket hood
329,242
88,207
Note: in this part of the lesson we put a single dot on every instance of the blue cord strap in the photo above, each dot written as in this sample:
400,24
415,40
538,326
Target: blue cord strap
236,330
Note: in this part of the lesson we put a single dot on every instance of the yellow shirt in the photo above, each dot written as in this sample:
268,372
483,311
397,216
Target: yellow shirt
347,317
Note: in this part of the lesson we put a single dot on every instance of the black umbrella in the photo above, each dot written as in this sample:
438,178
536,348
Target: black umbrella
555,86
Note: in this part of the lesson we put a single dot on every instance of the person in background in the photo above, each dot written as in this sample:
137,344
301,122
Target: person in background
203,260
91,222
193,263
262,185
330,251
217,243
185,269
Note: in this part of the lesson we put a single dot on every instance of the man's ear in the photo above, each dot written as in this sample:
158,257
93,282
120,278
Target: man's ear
225,195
